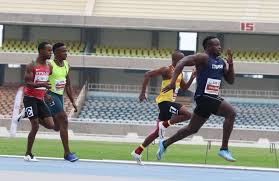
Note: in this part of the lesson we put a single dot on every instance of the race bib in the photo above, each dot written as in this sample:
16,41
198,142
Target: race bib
60,84
40,78
212,86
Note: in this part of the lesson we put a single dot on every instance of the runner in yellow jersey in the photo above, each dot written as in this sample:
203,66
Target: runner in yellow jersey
170,111
60,82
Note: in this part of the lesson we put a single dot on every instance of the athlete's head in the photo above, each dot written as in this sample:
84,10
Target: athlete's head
44,50
176,56
60,51
211,44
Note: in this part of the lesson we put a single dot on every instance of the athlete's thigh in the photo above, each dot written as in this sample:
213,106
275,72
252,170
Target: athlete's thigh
196,121
225,109
168,109
56,106
43,110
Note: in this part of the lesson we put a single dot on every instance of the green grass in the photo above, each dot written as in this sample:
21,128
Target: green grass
254,157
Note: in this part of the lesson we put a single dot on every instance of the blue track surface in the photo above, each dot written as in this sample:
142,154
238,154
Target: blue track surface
149,172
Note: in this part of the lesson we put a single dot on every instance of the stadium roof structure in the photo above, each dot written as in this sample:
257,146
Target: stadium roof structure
178,15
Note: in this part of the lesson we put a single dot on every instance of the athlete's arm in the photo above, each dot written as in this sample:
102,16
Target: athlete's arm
147,76
229,72
191,60
183,85
69,91
29,76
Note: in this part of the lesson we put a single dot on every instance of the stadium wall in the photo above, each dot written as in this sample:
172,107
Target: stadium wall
13,32
55,33
245,42
125,38
168,40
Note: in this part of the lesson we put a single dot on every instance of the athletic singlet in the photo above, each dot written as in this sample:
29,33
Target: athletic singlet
171,94
58,77
40,75
209,78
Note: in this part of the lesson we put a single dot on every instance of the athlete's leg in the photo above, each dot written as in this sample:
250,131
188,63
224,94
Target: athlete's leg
152,136
44,114
31,110
47,122
148,140
193,127
184,115
195,124
61,124
136,154
227,111
176,113
62,119
32,135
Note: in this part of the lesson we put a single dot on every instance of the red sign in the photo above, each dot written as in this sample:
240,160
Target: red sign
244,26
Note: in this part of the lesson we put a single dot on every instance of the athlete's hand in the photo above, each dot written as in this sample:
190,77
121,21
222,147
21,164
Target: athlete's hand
229,58
142,97
48,98
47,85
75,106
169,87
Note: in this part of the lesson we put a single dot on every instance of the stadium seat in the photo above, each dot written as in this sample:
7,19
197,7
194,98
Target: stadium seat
127,110
74,47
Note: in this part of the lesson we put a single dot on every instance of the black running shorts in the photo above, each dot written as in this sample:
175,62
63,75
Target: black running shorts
167,109
207,105
35,108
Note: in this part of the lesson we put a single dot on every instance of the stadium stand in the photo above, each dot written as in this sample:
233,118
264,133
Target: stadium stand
118,109
108,108
134,52
239,56
7,95
199,9
253,56
65,7
74,47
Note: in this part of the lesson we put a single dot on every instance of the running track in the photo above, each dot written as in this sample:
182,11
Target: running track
14,169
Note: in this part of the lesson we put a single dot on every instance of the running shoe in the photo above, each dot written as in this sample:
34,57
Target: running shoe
226,154
30,158
161,150
71,157
137,158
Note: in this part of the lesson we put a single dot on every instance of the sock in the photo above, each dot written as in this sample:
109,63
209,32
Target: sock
166,123
139,149
223,149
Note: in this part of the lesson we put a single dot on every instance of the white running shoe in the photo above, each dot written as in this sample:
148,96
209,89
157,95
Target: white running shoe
137,157
30,158
162,130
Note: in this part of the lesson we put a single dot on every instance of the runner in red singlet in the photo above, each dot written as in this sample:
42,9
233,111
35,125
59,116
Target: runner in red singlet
36,84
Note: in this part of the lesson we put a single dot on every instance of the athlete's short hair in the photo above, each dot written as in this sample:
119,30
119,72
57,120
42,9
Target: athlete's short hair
42,45
57,45
206,41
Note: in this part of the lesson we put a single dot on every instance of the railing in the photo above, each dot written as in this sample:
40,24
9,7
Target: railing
249,93
121,88
155,90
